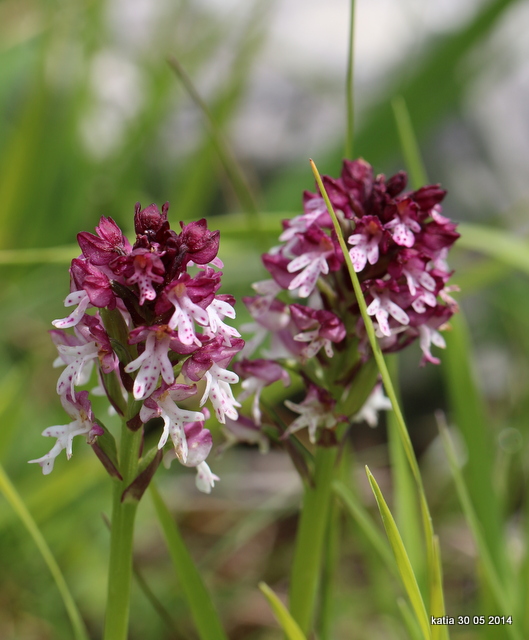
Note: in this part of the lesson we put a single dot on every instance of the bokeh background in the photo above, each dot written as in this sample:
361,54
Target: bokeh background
93,118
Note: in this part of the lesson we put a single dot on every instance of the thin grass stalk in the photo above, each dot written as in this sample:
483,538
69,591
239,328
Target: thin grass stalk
287,622
439,631
410,622
408,141
405,507
349,85
16,502
364,521
388,385
402,559
231,166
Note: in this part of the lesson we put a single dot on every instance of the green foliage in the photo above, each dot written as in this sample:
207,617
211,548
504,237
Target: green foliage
287,622
56,181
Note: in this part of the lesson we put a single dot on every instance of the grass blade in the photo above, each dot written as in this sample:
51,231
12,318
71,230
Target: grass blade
228,160
469,413
409,619
349,85
405,506
14,499
408,142
500,594
495,243
204,614
287,622
366,524
440,631
401,557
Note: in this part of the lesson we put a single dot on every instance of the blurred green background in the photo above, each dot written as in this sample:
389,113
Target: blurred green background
93,119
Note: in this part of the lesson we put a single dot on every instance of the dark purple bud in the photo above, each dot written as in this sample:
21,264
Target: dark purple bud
276,265
213,352
107,245
396,184
427,197
329,326
201,244
357,177
266,370
436,236
96,284
150,221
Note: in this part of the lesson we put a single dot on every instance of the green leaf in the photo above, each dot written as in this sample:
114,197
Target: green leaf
405,505
403,562
366,524
204,614
439,631
105,449
495,243
410,622
408,142
470,414
14,499
287,622
497,588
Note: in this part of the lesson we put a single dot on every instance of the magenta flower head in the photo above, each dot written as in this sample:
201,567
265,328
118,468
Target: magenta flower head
398,243
149,317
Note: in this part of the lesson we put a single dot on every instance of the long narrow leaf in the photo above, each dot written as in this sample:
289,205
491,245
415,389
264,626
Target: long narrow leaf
401,557
366,524
204,614
386,379
405,505
408,142
439,631
417,171
287,622
493,580
495,243
14,499
469,413
409,619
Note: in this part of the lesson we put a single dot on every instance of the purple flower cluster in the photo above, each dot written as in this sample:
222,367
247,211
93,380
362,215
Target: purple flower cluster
156,333
398,246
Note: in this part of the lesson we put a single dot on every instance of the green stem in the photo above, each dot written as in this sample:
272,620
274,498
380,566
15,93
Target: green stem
330,564
309,540
121,537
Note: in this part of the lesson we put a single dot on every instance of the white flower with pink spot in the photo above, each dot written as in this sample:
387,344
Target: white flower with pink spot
382,307
153,361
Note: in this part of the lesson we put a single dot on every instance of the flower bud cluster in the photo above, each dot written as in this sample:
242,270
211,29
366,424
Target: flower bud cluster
398,243
173,338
